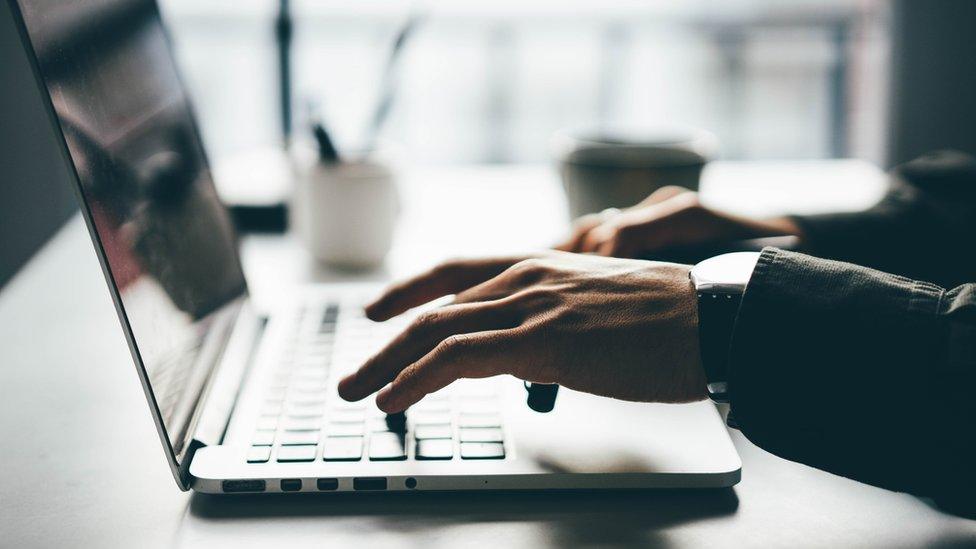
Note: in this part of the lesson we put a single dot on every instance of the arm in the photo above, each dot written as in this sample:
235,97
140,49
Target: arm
860,373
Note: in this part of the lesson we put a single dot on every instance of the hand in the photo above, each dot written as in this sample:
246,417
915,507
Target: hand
619,328
669,217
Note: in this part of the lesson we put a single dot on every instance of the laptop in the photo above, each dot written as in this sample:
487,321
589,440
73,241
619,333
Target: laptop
245,400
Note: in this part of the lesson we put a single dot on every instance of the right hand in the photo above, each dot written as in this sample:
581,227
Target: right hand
669,217
621,328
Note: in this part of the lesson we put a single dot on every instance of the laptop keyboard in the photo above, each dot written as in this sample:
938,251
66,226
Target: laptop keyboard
302,419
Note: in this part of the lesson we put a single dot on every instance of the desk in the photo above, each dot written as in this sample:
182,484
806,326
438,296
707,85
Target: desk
82,466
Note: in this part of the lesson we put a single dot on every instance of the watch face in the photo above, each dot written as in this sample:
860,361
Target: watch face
726,272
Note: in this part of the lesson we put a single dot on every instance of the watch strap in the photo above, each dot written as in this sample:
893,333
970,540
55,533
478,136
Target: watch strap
716,320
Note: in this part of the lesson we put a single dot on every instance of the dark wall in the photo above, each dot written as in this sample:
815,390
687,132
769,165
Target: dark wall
35,186
933,77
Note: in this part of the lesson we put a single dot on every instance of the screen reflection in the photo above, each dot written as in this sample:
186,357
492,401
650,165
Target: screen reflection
167,239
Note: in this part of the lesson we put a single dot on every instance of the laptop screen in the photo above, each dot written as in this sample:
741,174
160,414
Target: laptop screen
166,240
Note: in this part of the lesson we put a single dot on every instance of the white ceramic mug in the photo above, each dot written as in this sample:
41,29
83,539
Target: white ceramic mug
346,212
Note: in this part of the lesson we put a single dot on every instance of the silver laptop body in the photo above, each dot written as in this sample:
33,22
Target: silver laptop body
244,401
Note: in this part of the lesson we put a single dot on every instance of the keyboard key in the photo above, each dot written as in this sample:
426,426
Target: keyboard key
474,389
259,454
300,400
387,447
267,423
348,406
343,449
429,418
443,430
482,450
305,411
298,438
377,425
346,416
480,434
344,429
287,454
431,407
479,420
263,438
302,423
438,448
308,388
476,407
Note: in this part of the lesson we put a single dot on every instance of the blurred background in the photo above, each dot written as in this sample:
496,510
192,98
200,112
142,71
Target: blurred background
490,81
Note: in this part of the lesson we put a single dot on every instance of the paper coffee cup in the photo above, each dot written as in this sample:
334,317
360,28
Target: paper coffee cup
619,167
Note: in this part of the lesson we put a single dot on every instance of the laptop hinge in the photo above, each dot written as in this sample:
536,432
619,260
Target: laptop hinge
220,395
186,480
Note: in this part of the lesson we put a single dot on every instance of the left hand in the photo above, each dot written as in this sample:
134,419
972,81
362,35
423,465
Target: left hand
613,327
669,217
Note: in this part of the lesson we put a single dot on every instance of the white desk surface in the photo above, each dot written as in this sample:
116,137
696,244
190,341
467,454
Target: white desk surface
82,465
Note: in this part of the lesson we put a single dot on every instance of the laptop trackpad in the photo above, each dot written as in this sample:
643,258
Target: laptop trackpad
590,434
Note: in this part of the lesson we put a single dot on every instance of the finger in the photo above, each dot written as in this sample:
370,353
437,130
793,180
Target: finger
490,290
662,194
581,227
622,244
517,277
424,334
447,278
595,238
477,355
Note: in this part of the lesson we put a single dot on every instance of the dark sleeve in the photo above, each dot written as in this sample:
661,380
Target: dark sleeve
861,373
923,228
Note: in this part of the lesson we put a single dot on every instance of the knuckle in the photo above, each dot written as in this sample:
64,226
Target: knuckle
529,264
525,270
626,231
692,201
425,321
673,189
453,344
534,297
441,269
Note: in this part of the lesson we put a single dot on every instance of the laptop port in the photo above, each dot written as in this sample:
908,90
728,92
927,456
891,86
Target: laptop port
241,486
327,484
291,484
369,483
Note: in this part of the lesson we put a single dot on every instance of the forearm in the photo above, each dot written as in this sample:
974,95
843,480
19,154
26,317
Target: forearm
857,372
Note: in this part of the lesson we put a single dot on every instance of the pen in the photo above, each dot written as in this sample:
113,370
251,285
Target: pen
327,151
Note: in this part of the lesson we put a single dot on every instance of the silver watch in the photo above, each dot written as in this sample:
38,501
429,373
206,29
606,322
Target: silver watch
719,283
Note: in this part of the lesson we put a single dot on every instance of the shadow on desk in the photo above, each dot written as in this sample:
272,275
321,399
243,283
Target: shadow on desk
575,517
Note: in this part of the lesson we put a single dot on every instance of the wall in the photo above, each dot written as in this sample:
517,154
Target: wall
35,187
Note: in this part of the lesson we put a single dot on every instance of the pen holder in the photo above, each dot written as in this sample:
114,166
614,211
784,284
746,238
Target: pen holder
345,212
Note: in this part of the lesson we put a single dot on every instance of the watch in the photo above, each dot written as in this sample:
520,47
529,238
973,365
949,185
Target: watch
719,284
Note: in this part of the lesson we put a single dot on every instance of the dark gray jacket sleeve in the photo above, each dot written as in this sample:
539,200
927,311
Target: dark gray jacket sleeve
858,372
862,372
924,228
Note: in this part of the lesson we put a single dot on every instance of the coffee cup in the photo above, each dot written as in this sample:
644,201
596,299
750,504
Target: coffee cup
618,167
